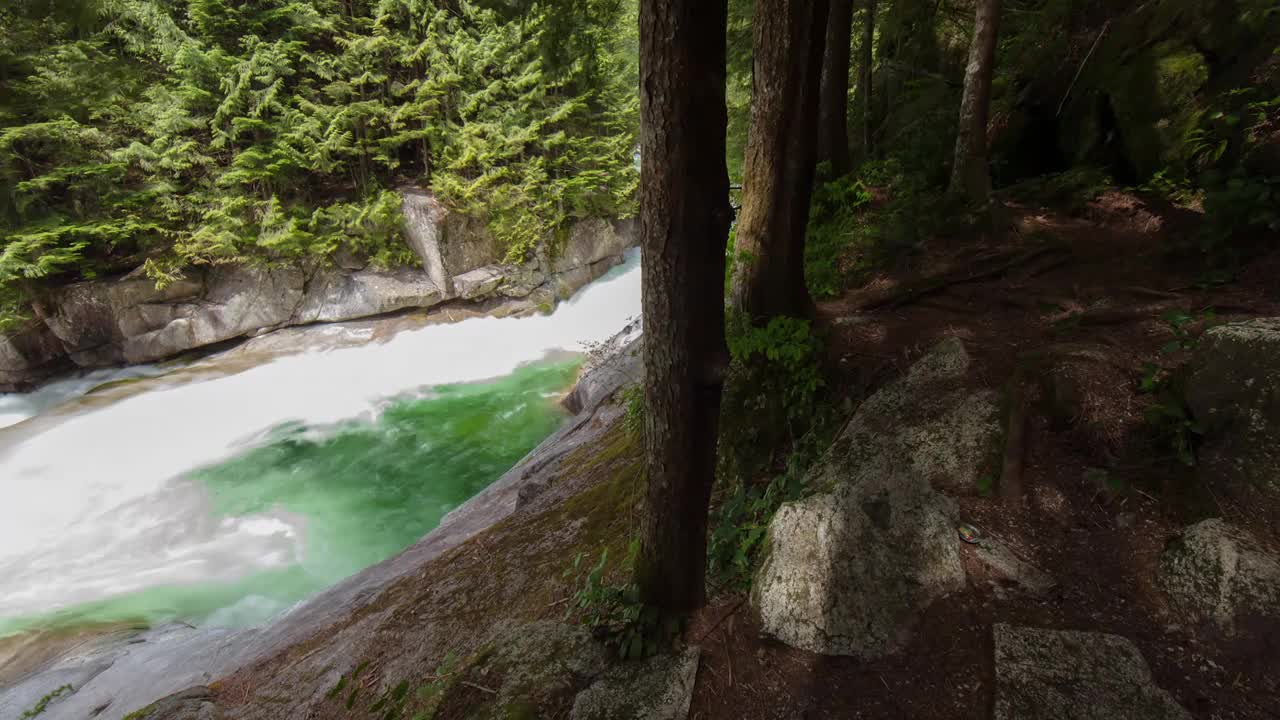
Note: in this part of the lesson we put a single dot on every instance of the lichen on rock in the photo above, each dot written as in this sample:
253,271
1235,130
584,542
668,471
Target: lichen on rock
1234,391
847,571
1055,674
1218,573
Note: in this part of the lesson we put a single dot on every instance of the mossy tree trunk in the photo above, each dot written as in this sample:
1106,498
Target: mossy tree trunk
970,176
777,178
684,225
833,103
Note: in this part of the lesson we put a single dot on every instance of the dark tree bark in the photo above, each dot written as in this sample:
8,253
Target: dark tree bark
684,225
865,80
970,177
777,177
833,102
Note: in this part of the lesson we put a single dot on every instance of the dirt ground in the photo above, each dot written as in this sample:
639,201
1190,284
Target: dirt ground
1099,497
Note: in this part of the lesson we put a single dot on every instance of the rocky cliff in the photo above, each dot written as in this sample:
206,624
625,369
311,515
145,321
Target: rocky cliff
129,320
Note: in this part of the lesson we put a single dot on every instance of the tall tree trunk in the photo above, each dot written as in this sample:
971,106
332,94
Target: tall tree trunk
970,177
865,79
777,177
833,103
684,224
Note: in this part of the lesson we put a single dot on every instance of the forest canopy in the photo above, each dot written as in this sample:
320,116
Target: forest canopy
171,133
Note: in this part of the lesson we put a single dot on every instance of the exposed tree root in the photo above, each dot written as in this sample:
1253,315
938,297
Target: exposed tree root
928,286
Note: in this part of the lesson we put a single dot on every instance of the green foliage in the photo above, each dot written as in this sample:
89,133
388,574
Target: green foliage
43,703
739,521
634,630
835,220
395,700
633,420
200,132
1168,417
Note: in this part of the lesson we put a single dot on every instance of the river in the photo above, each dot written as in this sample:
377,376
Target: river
224,490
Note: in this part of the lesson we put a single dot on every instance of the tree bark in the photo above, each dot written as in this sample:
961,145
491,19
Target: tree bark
865,78
684,225
768,265
833,102
970,177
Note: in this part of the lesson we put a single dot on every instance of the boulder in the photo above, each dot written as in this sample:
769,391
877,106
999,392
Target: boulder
1234,391
615,363
848,571
479,283
590,241
659,688
1057,674
448,243
28,354
1218,574
334,295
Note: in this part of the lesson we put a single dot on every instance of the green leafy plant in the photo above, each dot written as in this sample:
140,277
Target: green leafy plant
615,611
633,421
771,396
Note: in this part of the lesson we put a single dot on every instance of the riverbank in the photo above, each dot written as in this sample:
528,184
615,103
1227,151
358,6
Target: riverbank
128,320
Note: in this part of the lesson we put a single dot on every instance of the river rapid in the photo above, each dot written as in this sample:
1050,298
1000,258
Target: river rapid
224,490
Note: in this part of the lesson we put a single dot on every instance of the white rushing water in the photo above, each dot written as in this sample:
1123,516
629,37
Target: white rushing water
94,505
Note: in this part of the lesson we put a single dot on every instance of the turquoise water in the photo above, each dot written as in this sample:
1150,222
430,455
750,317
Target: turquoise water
351,494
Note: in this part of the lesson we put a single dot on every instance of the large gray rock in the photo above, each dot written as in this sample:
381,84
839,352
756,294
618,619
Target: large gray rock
448,243
1219,574
590,241
1064,675
28,354
659,688
130,320
1234,389
335,295
848,571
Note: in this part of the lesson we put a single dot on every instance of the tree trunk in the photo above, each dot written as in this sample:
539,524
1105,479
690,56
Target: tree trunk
865,78
777,177
833,103
684,224
970,177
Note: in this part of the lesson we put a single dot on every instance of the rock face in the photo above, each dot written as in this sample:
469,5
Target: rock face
660,688
29,354
129,320
1050,675
1234,389
1219,574
848,570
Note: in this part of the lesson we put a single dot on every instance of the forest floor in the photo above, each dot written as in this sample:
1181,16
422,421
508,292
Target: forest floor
1100,497
1100,500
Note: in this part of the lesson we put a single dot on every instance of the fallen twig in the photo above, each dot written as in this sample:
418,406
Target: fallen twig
478,687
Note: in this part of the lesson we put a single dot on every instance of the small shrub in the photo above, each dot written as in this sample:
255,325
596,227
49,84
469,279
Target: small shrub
633,420
771,395
634,630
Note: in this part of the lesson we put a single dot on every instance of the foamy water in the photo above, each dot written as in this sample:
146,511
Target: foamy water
98,504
